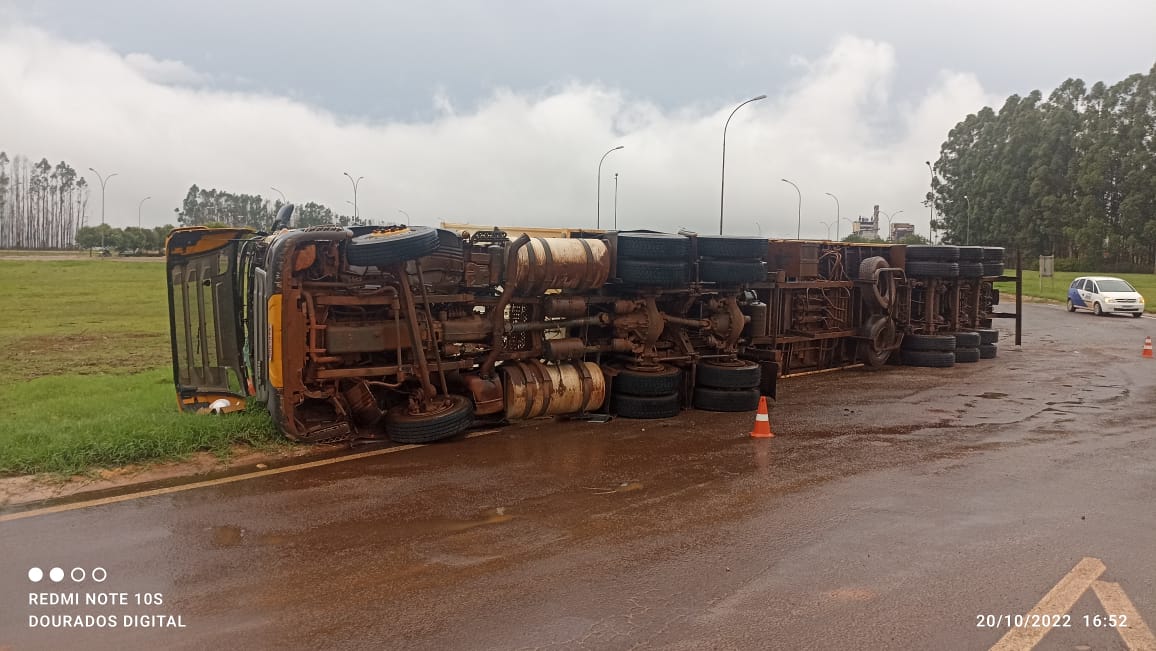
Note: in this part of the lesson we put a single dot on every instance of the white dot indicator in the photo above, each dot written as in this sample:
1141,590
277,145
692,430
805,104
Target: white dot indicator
35,574
56,574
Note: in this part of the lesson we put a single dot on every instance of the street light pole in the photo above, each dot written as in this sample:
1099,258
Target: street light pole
931,201
967,237
103,180
598,191
283,199
837,215
799,229
138,207
355,213
408,219
723,184
616,201
828,225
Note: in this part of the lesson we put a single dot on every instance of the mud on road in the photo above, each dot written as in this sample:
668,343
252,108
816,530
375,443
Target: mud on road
891,509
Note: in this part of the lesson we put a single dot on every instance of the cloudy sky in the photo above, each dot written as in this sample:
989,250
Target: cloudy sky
498,111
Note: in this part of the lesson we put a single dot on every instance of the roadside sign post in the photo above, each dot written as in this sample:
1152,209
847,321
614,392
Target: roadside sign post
1047,270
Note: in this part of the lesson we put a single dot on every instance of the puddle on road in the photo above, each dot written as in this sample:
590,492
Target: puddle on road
992,395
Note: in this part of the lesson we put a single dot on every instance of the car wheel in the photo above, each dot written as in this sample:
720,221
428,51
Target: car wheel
1097,310
1137,315
1071,307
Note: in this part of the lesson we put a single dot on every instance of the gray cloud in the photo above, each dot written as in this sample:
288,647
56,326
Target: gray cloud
518,157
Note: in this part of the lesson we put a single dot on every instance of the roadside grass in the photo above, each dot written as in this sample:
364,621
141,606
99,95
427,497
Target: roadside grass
86,373
81,316
1057,288
69,424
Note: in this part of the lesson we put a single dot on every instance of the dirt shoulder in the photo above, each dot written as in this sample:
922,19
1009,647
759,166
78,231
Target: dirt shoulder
15,491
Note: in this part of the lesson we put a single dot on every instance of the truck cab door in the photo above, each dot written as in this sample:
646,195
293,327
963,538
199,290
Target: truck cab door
206,303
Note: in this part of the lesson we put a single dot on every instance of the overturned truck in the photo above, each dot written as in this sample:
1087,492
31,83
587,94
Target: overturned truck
415,333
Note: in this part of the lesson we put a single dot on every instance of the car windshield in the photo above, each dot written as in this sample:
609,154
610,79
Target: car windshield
1114,285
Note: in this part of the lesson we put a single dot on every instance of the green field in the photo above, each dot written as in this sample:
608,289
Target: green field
1056,288
86,377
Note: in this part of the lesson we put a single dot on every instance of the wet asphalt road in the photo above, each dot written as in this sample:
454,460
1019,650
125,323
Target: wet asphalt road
891,510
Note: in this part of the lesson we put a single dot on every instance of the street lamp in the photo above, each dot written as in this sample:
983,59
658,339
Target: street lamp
355,213
138,207
283,199
828,225
837,215
598,195
889,221
851,222
967,237
931,201
723,183
799,229
408,219
616,201
103,180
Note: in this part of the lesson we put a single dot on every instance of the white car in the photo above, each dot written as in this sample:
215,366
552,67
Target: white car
1104,295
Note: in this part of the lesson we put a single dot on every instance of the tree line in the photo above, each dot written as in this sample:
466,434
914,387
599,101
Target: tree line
1073,175
41,205
45,206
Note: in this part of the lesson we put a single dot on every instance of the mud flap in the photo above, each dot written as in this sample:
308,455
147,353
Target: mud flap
768,384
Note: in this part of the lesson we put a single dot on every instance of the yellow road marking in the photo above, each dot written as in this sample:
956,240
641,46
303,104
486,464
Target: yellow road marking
1137,636
1057,601
8,517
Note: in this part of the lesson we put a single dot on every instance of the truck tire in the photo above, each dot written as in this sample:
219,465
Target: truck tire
642,383
933,343
737,374
732,271
453,418
385,247
653,272
710,399
988,351
988,336
929,358
971,254
652,246
879,297
971,269
731,248
967,340
922,269
926,253
646,407
993,254
993,268
966,355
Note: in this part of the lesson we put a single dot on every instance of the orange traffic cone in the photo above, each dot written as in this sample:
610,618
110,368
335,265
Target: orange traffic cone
762,429
1147,347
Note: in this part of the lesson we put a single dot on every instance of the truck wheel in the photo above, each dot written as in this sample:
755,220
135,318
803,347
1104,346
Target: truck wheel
731,248
653,272
878,298
993,268
628,406
971,254
932,253
993,254
988,336
709,399
966,355
453,416
735,374
971,270
664,380
934,343
732,271
387,246
967,340
652,246
988,351
932,269
929,358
